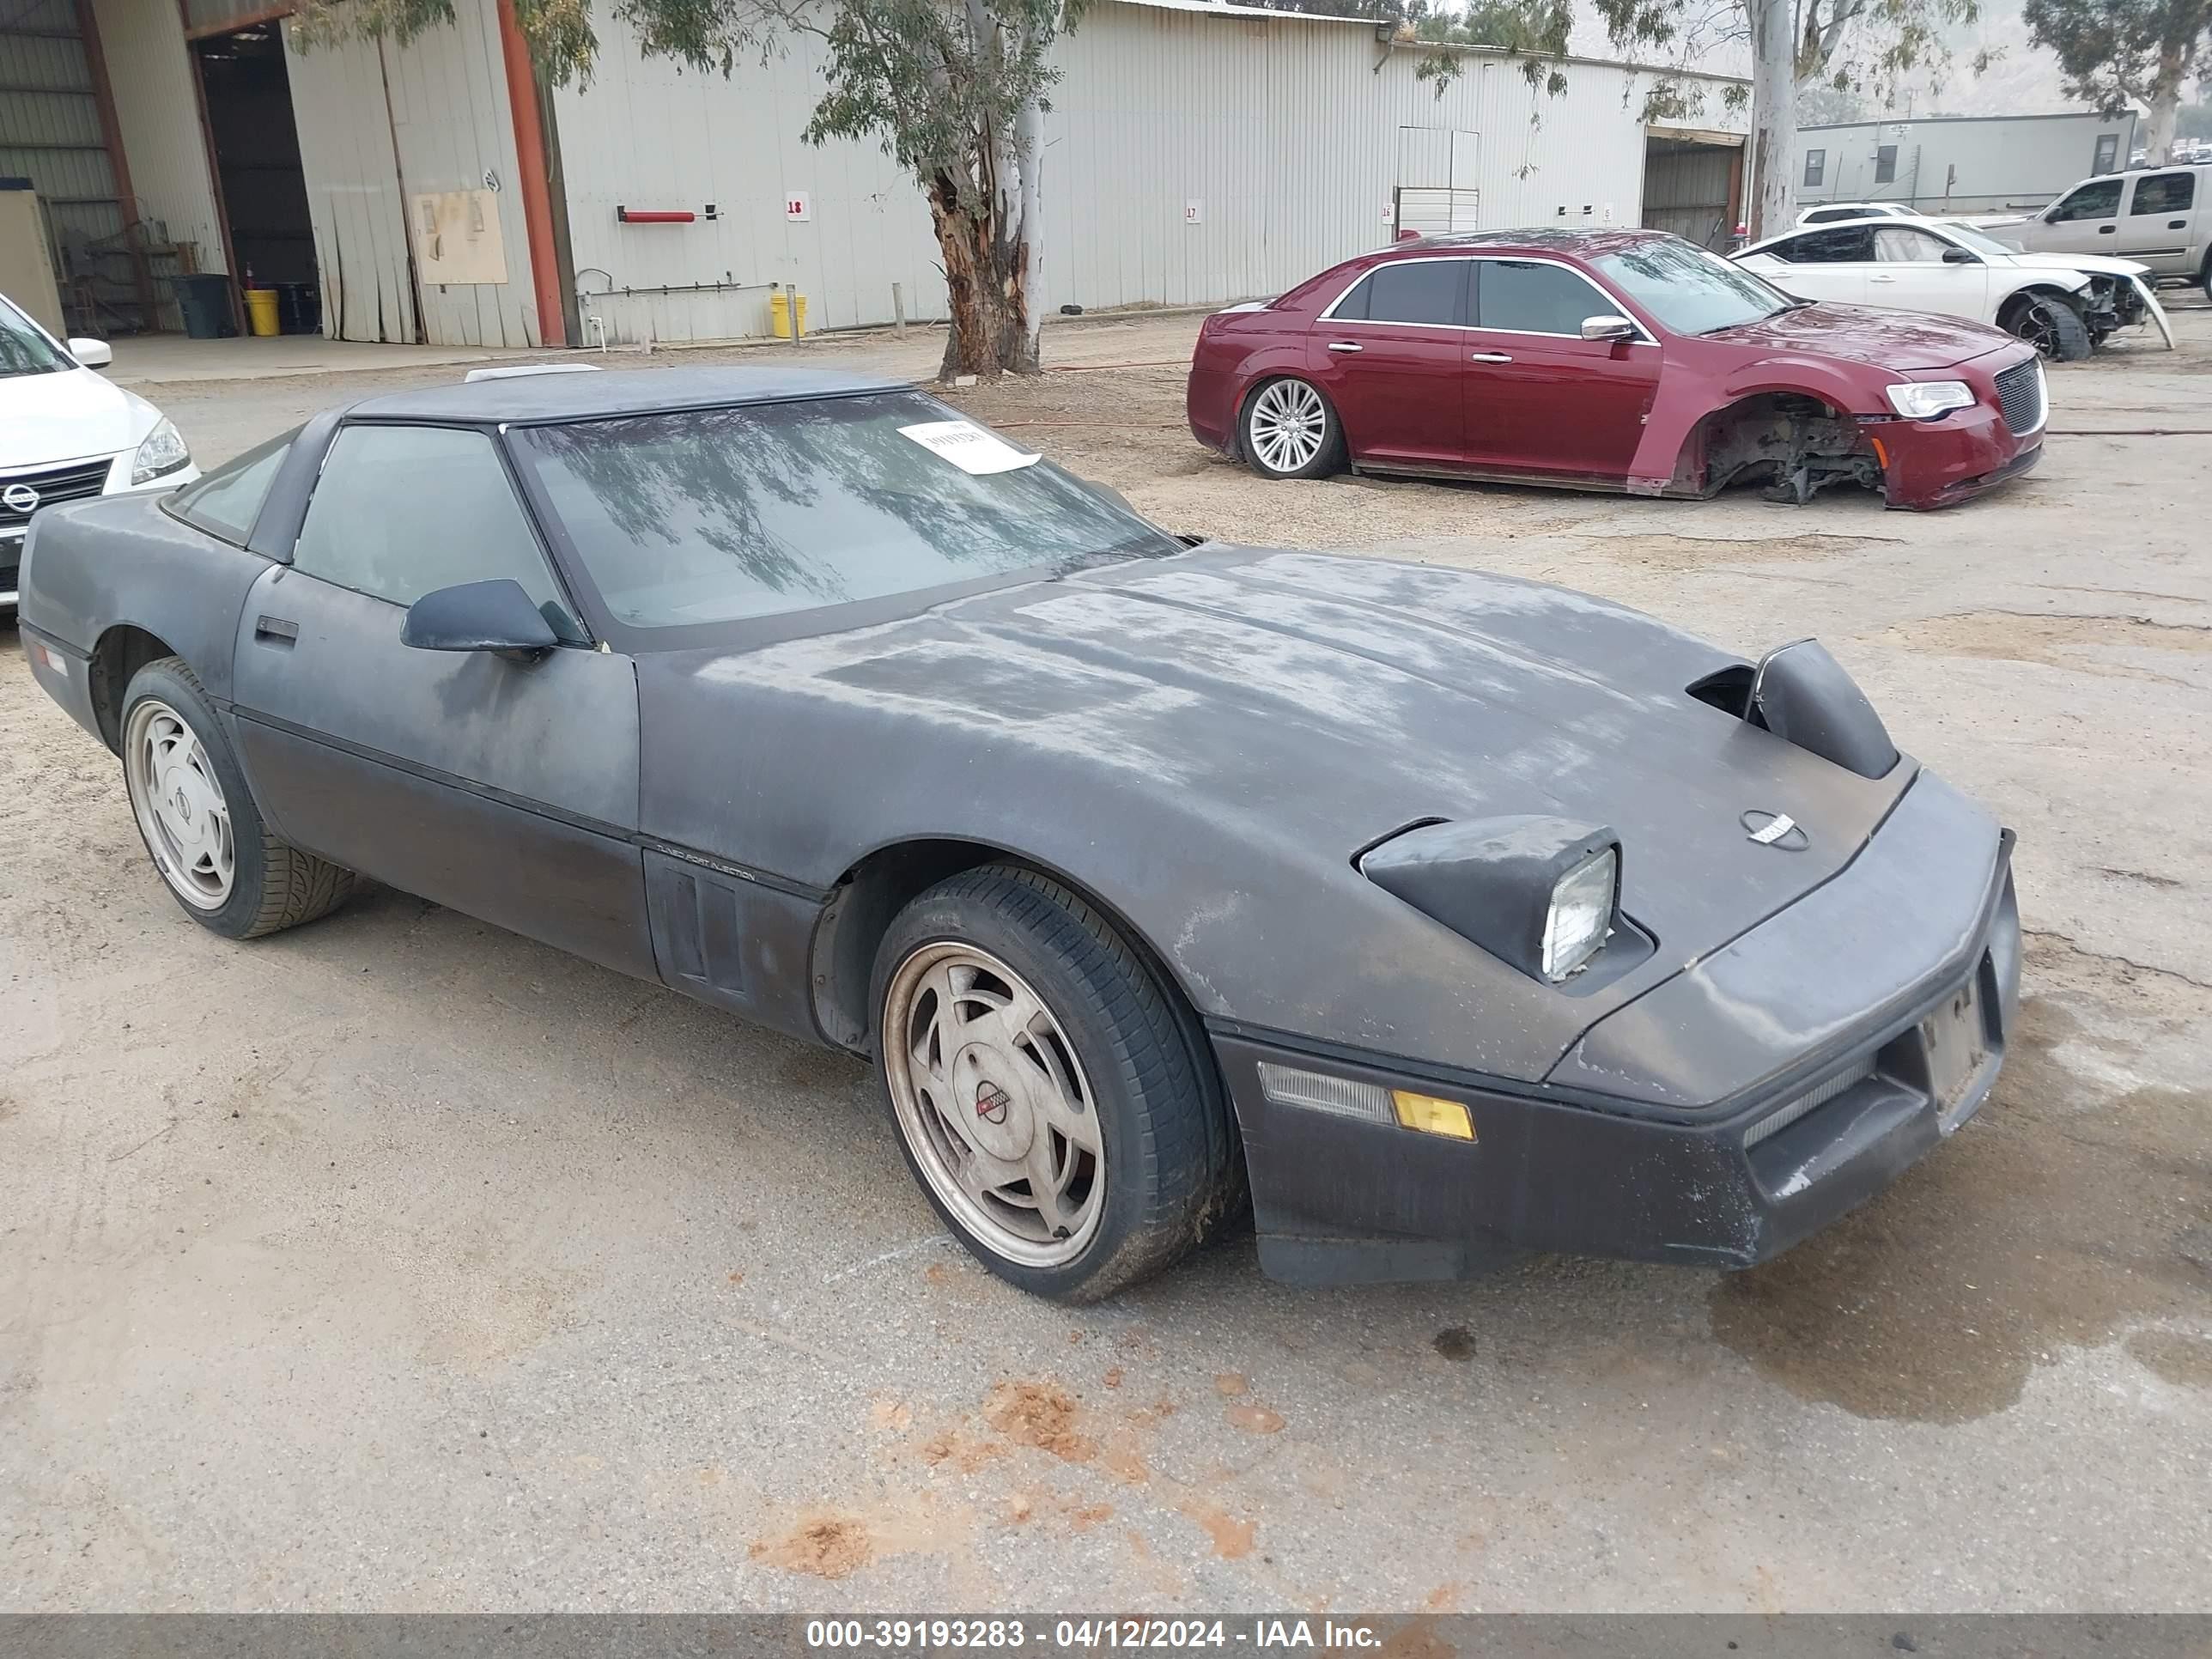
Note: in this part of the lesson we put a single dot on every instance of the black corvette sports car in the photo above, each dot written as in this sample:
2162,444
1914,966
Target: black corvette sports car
1452,915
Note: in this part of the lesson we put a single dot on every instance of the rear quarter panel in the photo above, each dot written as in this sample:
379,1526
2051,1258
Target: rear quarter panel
1236,349
95,565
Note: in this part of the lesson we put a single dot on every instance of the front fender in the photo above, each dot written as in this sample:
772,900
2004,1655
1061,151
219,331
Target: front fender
1685,399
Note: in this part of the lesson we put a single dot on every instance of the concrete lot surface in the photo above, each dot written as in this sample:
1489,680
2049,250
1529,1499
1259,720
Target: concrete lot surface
397,1263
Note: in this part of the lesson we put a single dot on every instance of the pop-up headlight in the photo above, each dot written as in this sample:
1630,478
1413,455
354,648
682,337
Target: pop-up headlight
1540,893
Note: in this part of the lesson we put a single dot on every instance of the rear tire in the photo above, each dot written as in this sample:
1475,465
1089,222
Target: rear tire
1288,429
197,818
1013,1024
2053,326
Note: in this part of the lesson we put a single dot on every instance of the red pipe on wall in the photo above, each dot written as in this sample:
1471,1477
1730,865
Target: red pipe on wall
641,216
529,162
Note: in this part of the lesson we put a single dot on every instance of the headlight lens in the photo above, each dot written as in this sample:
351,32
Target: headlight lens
1580,914
163,451
1924,400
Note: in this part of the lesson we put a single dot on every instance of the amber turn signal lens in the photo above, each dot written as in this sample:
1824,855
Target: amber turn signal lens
1433,1116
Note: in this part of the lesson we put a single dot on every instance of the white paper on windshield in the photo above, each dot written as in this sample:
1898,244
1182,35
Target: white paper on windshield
968,447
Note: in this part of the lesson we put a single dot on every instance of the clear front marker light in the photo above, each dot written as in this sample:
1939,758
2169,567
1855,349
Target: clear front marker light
162,452
1924,400
1580,914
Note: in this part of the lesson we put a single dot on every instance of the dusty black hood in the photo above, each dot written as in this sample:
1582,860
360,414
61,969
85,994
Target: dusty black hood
1218,733
1336,699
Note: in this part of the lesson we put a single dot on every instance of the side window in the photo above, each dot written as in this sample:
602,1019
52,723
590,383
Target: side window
1903,244
2108,152
1816,167
1847,245
1410,291
2164,192
227,501
2097,199
1522,297
402,510
1885,164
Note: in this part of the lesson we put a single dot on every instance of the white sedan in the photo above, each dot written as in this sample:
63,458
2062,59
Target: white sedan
2064,305
66,432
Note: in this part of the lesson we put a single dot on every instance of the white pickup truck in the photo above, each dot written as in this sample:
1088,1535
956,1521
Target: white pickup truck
2160,217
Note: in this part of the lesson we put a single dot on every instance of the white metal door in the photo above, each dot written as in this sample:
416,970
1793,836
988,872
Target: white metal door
354,201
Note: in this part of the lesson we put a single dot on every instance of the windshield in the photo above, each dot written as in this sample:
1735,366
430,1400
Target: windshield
721,515
1690,290
1974,238
24,347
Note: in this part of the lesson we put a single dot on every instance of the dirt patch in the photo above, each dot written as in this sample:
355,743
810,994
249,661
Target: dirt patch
1454,1342
2060,1215
826,1546
1039,1414
2179,1358
1257,1420
2074,643
953,1446
1233,1537
1229,1382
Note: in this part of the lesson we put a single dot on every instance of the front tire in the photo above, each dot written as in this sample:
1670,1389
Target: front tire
197,818
2053,326
1052,1101
1288,429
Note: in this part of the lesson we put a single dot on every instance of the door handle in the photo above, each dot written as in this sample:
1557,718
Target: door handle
276,630
1878,277
2107,230
2177,224
1342,346
1488,357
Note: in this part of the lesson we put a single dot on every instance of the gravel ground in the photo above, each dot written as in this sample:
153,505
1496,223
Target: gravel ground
398,1263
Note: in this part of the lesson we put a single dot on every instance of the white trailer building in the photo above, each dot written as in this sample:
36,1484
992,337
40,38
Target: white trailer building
1195,153
1959,163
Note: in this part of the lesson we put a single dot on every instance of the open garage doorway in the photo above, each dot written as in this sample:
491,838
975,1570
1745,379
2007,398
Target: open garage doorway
261,188
1694,184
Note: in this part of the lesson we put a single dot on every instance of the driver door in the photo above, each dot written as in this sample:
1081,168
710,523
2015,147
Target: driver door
1912,270
504,789
2085,220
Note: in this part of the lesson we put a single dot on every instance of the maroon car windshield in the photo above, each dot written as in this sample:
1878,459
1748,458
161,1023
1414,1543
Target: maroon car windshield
1689,290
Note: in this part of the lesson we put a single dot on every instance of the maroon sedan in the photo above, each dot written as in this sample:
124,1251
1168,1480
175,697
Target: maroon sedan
1625,360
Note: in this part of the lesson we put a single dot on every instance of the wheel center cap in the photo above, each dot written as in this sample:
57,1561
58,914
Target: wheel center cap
997,1114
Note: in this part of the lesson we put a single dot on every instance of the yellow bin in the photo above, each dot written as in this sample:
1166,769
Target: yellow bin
261,311
779,313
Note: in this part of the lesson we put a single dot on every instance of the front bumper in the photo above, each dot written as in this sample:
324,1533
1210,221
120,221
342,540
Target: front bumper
1932,464
1340,1200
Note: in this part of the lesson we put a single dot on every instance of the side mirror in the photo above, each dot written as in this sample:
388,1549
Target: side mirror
1961,255
1608,327
92,354
493,616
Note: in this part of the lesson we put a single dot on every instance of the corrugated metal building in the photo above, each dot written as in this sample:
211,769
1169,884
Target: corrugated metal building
1959,163
1195,153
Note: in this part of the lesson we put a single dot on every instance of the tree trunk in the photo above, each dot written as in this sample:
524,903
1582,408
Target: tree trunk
986,290
1773,115
2165,104
1029,149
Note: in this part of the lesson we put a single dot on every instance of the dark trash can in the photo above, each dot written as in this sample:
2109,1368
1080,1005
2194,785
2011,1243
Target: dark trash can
203,298
298,308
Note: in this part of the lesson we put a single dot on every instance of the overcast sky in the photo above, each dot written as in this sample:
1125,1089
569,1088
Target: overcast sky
2022,79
